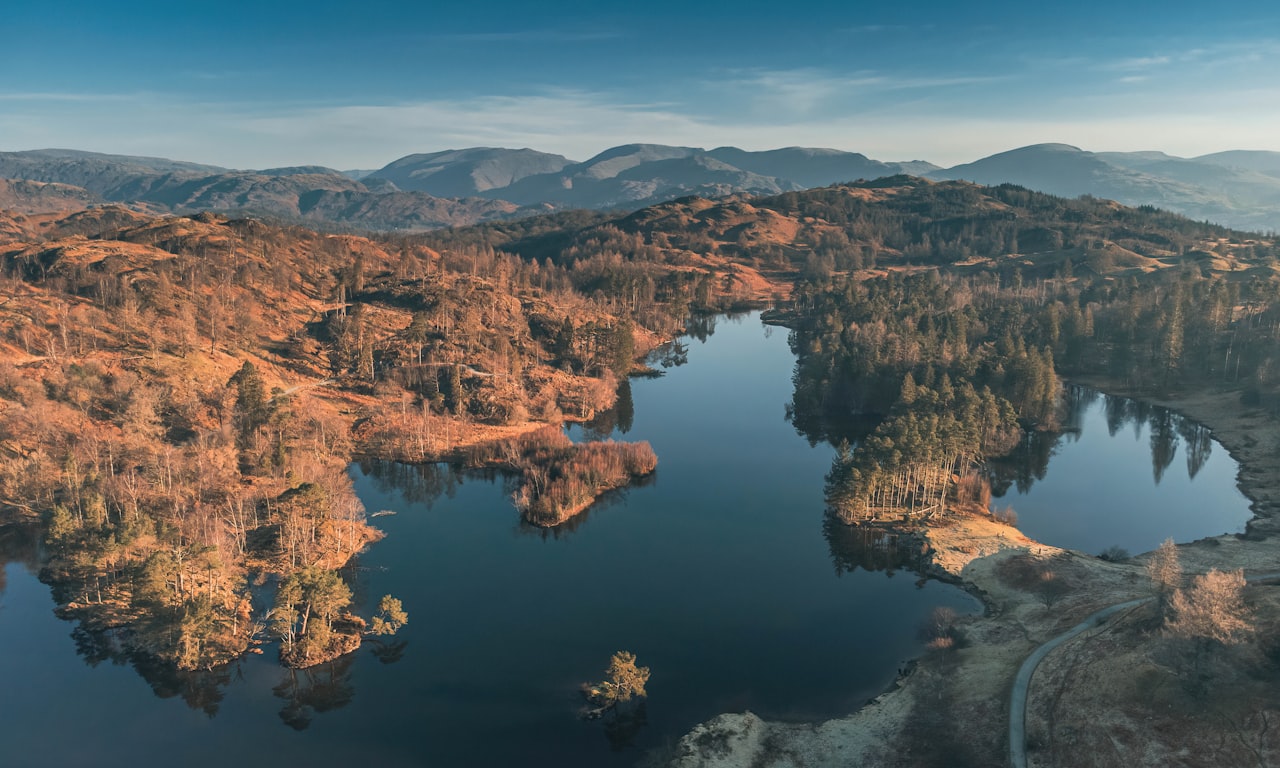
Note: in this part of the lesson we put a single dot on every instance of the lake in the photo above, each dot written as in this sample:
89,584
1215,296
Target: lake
1124,474
719,572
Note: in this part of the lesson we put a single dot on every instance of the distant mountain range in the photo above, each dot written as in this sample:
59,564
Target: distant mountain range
311,194
629,176
457,187
1238,189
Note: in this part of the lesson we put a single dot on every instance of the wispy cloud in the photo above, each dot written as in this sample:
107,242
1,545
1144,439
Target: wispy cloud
558,121
578,122
529,36
1138,62
212,75
69,98
879,28
1234,54
807,92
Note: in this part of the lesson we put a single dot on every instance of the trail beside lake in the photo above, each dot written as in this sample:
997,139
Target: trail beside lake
952,707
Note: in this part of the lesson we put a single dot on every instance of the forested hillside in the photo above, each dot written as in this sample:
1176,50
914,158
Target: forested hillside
943,315
180,396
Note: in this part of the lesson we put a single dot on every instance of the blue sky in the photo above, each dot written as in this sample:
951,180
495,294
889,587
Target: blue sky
356,85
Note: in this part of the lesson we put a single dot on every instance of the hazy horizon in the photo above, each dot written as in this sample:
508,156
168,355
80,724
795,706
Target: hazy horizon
313,84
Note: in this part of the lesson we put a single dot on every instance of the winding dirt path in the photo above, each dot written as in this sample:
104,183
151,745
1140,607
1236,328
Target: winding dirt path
1022,682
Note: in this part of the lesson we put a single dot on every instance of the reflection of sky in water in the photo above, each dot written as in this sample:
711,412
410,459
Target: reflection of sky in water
1101,490
716,574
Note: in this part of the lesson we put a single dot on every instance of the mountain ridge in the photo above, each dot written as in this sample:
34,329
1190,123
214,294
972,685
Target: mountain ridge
454,187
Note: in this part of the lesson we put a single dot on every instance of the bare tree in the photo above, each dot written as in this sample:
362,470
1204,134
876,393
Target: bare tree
1206,618
625,682
1166,574
1212,609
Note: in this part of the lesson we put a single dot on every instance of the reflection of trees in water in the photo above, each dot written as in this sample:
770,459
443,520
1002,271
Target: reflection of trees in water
816,419
20,544
1164,442
1118,412
700,326
1141,414
622,726
97,647
871,549
417,483
307,692
1076,402
626,407
1199,441
603,502
1025,464
201,689
830,406
670,355
1167,429
1122,411
619,417
386,651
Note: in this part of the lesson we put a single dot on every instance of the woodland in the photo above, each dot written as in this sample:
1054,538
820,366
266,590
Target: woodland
180,397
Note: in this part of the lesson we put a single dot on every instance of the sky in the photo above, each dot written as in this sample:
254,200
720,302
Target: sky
356,85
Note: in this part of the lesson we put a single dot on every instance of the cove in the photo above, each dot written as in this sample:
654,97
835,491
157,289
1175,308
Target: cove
1123,473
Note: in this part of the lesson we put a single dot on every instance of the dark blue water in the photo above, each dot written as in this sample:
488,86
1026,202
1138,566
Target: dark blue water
717,573
1125,475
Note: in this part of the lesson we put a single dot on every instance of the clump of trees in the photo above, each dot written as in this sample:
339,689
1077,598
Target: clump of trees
308,604
1205,621
905,351
914,460
171,468
946,369
624,683
168,478
1211,611
390,617
311,619
560,478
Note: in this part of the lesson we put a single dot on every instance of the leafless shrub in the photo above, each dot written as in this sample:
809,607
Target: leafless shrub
1006,516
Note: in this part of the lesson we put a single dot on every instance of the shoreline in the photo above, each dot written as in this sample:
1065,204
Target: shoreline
958,698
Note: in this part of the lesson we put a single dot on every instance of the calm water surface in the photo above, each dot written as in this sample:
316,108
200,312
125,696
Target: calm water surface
716,573
1126,474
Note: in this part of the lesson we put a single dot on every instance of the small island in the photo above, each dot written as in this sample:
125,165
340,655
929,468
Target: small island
560,478
181,397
